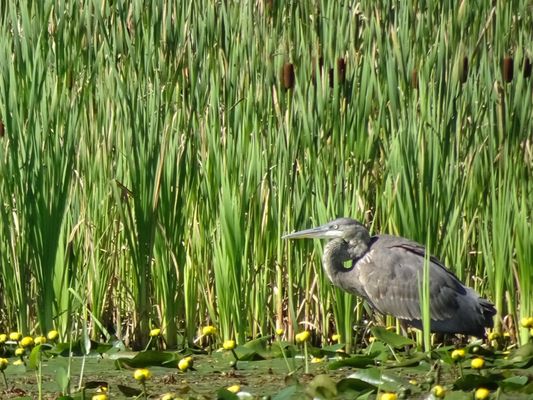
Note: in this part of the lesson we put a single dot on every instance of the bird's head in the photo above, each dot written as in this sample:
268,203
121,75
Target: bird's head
341,228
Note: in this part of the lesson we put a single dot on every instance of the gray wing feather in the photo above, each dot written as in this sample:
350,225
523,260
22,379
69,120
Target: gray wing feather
391,274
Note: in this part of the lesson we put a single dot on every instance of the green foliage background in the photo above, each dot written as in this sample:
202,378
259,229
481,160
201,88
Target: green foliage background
152,157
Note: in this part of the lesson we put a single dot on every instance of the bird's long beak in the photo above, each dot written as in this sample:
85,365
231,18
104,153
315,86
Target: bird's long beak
320,232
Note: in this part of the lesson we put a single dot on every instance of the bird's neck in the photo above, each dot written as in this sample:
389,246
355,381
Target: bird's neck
337,252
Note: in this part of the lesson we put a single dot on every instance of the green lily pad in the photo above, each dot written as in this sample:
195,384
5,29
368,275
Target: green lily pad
391,338
473,381
129,391
353,384
149,358
357,361
225,394
384,380
407,361
289,393
322,387
513,383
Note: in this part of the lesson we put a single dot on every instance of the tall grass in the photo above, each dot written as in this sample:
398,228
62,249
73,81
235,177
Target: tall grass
153,157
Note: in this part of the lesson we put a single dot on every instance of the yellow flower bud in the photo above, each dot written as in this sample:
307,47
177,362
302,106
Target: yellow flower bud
279,331
302,337
458,354
209,330
100,396
155,332
477,363
184,364
3,363
482,394
316,360
168,396
15,336
234,388
438,391
19,351
229,344
336,337
40,339
52,335
3,338
388,396
142,374
527,322
27,341
18,362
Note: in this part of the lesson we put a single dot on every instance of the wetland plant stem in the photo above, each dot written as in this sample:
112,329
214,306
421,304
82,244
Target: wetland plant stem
306,358
5,378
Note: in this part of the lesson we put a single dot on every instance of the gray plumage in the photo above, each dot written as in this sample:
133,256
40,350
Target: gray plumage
386,271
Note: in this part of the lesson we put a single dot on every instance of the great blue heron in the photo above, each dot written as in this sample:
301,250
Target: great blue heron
387,271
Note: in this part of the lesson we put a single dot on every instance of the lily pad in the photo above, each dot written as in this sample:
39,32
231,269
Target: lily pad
150,358
473,381
391,338
384,380
357,361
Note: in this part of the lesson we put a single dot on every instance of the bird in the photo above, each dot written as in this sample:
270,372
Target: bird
387,271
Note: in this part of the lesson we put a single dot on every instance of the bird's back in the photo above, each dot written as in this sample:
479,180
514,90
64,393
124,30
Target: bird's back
390,276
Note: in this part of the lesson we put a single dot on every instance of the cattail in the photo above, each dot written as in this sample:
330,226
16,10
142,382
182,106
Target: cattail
317,63
507,69
287,76
527,68
341,69
414,78
463,70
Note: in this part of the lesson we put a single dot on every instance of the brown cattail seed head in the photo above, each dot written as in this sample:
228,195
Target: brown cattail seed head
463,70
507,69
317,63
287,76
414,78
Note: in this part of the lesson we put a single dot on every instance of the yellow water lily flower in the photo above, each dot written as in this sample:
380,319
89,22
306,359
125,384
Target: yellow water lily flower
53,335
18,362
27,341
15,336
234,388
19,351
527,322
40,339
100,396
477,363
438,391
155,332
458,354
302,337
482,394
4,362
142,374
336,337
168,396
279,331
388,396
3,338
209,330
228,345
185,363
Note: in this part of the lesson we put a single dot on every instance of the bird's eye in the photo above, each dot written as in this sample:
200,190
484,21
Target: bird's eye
335,226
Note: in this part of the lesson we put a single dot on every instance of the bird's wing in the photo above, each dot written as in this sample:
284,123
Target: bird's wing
391,277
